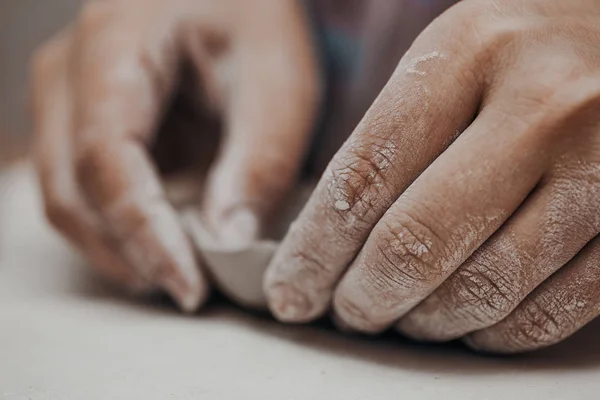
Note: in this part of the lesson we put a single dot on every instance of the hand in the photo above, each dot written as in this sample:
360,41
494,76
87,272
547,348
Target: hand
465,204
133,78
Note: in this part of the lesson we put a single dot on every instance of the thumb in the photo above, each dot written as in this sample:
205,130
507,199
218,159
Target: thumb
269,119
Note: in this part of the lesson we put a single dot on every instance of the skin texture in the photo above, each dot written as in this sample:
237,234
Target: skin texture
135,88
465,203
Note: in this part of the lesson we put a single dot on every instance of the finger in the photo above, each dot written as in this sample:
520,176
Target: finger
427,101
548,230
561,306
66,210
270,113
123,78
448,212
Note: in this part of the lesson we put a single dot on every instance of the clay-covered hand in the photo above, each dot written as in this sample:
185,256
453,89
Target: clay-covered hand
137,87
465,204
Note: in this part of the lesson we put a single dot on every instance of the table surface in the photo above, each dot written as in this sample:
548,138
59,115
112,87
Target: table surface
63,335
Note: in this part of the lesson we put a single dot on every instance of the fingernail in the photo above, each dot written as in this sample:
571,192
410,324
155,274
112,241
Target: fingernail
354,317
238,229
288,304
339,323
187,298
470,342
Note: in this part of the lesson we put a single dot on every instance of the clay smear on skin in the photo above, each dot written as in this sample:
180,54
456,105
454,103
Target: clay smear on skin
383,157
414,65
567,199
340,181
384,299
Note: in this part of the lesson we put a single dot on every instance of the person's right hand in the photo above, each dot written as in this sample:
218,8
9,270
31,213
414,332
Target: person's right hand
465,203
111,86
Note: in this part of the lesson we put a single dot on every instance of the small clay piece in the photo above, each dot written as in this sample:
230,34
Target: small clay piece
238,273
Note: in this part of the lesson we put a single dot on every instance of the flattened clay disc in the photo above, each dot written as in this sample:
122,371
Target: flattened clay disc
238,273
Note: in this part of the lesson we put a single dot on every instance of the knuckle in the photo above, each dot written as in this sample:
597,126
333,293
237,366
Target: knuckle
554,90
98,173
358,185
483,293
563,101
579,96
408,252
494,34
88,161
489,30
471,9
537,325
61,213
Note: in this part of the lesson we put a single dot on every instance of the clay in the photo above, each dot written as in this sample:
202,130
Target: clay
238,273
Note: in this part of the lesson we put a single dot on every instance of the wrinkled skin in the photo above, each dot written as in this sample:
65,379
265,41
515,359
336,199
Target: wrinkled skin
135,87
465,203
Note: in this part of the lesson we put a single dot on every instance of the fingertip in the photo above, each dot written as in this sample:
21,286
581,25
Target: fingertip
293,295
471,343
287,304
189,297
340,325
356,315
426,326
487,346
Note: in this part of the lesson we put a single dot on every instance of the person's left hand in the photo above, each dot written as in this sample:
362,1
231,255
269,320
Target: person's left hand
136,90
465,204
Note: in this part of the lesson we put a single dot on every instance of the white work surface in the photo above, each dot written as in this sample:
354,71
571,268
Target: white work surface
63,336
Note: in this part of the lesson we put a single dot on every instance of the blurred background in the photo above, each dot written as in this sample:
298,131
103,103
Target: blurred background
24,24
361,40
